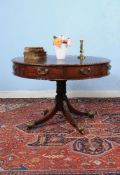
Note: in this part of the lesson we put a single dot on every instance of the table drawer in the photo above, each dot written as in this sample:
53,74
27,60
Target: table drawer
49,72
84,72
38,72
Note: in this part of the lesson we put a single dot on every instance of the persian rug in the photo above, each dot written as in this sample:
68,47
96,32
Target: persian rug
55,147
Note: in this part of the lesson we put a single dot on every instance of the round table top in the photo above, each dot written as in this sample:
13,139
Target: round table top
69,60
70,68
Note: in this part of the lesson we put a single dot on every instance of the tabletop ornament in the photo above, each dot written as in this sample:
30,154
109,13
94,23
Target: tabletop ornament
81,56
61,44
34,55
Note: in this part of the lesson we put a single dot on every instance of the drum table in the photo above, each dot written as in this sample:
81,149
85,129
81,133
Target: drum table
71,68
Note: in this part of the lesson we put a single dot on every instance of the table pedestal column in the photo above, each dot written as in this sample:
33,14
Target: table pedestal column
62,104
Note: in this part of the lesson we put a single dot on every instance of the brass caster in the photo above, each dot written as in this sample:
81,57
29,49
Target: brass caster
30,125
81,131
90,114
45,112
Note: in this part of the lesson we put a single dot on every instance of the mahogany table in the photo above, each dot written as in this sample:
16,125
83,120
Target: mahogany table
60,71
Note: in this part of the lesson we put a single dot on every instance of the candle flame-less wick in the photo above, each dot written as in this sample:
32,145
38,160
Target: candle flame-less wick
82,57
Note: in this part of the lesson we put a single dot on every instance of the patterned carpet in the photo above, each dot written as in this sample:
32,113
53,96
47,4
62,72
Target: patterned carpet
56,147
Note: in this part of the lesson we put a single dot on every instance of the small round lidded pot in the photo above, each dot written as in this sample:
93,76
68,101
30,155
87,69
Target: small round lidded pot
61,43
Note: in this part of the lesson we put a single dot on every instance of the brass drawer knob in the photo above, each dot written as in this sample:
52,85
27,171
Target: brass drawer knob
85,71
42,71
14,67
109,66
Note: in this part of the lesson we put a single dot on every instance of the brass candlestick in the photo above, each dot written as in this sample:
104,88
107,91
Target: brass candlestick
81,57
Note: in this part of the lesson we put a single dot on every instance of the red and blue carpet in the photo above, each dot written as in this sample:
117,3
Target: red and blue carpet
56,147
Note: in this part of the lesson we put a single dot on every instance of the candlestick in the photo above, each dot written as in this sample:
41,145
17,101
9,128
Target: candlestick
81,57
81,46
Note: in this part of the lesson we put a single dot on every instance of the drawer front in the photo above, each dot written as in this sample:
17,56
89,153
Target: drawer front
84,72
38,72
50,73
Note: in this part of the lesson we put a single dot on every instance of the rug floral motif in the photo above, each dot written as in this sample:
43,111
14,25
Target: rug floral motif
55,147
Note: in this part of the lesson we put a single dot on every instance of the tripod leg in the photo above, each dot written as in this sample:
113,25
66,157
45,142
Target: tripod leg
69,117
48,116
75,111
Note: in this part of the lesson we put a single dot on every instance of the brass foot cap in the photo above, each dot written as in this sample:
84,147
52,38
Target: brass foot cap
90,114
81,131
30,125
